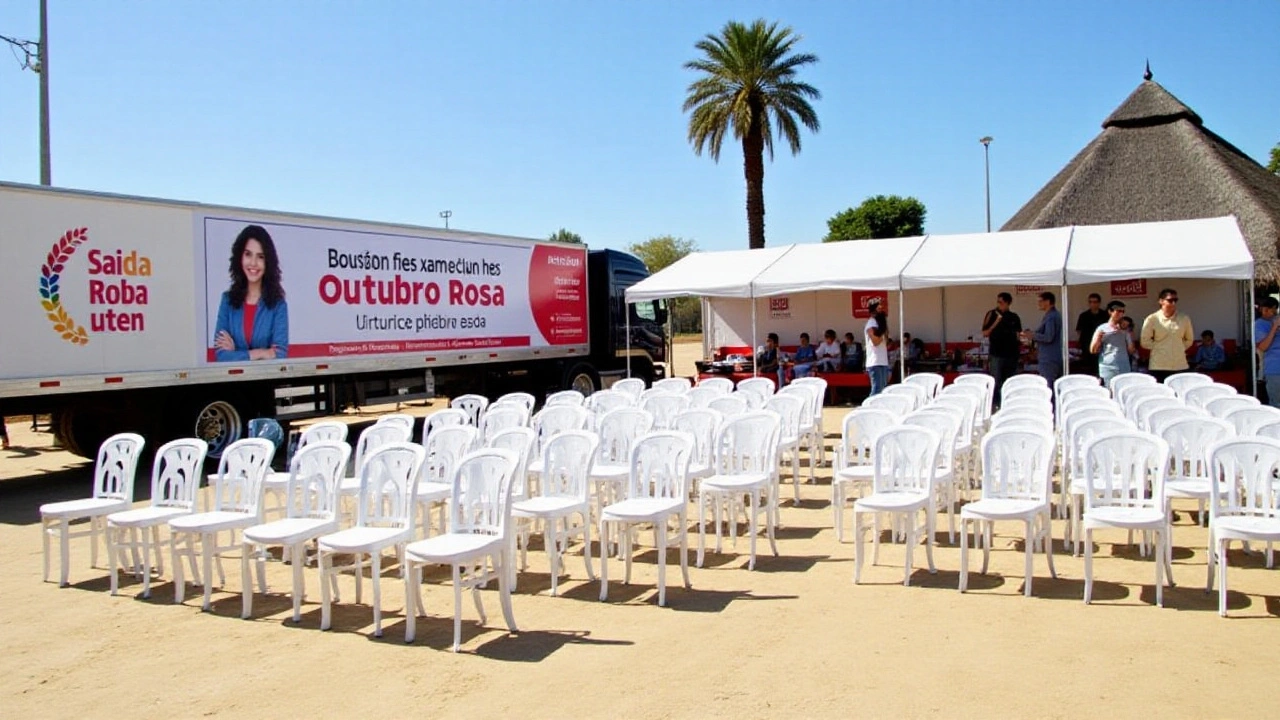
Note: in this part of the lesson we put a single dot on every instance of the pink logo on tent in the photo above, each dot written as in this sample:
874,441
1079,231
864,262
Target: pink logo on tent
1128,288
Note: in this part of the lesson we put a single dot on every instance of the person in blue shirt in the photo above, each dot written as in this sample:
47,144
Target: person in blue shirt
253,318
1209,354
805,358
1048,339
1264,333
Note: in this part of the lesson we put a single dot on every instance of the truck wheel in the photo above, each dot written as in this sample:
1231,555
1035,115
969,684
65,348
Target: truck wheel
218,423
80,433
583,378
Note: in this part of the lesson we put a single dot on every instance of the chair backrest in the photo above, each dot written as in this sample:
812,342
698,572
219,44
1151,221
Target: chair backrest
241,470
618,430
1246,469
447,417
1017,464
401,419
812,399
1125,468
473,405
603,401
553,419
915,393
947,428
388,482
753,397
905,459
701,424
1027,391
565,397
748,443
660,466
566,465
482,490
630,386
1189,441
1200,395
1023,380
730,405
175,473
502,417
314,475
1036,418
374,437
1160,418
1082,430
1224,406
1180,383
1069,382
1126,380
722,385
967,404
858,432
117,466
1024,402
676,385
664,406
818,384
978,380
324,431
444,448
1134,394
1268,430
760,385
931,382
519,440
899,405
700,397
978,391
1141,410
791,411
1248,419
524,398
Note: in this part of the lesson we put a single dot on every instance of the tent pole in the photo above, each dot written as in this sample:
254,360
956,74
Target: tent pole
755,367
626,314
943,301
902,328
1066,351
1253,343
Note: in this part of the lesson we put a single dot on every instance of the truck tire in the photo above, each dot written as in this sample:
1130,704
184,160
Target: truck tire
216,420
80,432
583,378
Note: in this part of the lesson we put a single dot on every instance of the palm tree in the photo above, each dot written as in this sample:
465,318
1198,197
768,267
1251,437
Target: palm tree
748,86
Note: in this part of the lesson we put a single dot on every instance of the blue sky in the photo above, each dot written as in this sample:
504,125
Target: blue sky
524,117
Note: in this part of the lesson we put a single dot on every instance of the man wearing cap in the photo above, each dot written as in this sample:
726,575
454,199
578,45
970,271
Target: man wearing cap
1264,333
1167,334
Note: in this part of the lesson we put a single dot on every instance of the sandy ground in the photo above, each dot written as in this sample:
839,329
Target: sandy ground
793,638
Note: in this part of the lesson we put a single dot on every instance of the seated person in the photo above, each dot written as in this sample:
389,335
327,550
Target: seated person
1209,354
854,359
914,349
767,357
829,352
806,356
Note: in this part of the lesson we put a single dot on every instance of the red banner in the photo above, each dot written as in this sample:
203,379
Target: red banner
1129,288
862,297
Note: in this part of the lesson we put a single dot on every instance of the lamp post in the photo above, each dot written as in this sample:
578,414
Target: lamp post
36,59
446,214
986,161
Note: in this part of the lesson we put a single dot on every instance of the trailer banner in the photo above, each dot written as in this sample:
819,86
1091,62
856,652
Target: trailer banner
315,291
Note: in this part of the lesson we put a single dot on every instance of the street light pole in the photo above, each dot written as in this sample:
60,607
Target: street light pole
46,173
986,161
446,214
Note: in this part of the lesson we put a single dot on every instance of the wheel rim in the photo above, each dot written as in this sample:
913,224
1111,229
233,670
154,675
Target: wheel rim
583,383
219,425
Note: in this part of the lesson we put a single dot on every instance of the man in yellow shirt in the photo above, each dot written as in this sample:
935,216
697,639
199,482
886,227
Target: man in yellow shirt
1167,333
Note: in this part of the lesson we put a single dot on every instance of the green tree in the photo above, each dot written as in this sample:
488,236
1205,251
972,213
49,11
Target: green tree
660,252
1274,165
565,236
882,216
748,87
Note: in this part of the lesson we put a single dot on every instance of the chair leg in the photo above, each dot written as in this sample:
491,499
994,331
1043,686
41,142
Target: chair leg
1030,547
702,530
837,509
875,537
113,562
552,538
359,563
911,546
64,539
604,560
684,549
931,525
1088,566
857,546
207,541
504,593
586,545
1213,557
325,561
457,607
412,574
1158,551
660,533
375,562
1048,543
751,523
179,584
155,532
964,554
93,542
1222,579
984,527
246,583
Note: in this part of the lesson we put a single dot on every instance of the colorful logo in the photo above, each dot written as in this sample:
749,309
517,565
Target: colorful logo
50,274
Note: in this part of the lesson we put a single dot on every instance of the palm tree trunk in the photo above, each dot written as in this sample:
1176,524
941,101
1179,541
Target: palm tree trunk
753,168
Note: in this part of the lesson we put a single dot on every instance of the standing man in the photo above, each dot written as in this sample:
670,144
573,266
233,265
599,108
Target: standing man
1089,321
1001,327
1048,339
1264,330
1167,333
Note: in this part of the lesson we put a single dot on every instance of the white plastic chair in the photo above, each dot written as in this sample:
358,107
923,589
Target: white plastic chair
1017,477
565,491
1143,409
618,432
237,504
967,441
818,386
746,466
657,492
1025,402
859,430
444,448
1200,395
899,405
946,481
1069,382
730,405
501,417
904,460
113,476
1023,380
1125,474
701,424
674,385
473,405
403,419
277,483
664,406
603,401
722,385
760,385
1223,406
630,386
701,397
1244,506
1160,419
1073,441
479,537
1025,391
791,411
1121,382
523,398
1246,420
549,421
1182,382
175,481
1190,440
915,393
565,397
311,511
1017,417
371,438
1134,394
931,382
811,435
447,417
1268,430
980,380
384,519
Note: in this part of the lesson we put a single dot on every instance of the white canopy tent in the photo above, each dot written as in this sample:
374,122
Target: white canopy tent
727,273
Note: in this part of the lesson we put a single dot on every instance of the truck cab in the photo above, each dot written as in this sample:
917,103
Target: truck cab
609,274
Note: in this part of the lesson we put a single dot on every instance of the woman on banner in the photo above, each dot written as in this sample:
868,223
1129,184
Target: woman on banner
253,317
